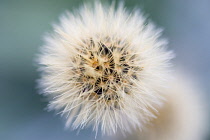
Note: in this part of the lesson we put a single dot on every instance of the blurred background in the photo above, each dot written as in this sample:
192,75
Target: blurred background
186,24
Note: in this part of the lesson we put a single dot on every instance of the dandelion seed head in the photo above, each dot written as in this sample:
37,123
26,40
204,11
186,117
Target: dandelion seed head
104,67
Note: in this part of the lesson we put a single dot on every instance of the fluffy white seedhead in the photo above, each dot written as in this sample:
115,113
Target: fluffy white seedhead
183,117
104,67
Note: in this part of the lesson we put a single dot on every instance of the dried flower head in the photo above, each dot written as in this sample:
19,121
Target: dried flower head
104,67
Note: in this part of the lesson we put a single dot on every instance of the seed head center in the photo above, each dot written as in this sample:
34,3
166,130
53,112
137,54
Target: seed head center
106,70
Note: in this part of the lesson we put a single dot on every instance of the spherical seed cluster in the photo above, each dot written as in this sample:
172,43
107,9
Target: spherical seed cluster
104,67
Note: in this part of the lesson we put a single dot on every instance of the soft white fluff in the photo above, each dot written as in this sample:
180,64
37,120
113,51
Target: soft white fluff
183,117
101,42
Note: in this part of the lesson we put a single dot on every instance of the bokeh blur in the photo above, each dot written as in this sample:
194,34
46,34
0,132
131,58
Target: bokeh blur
23,23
